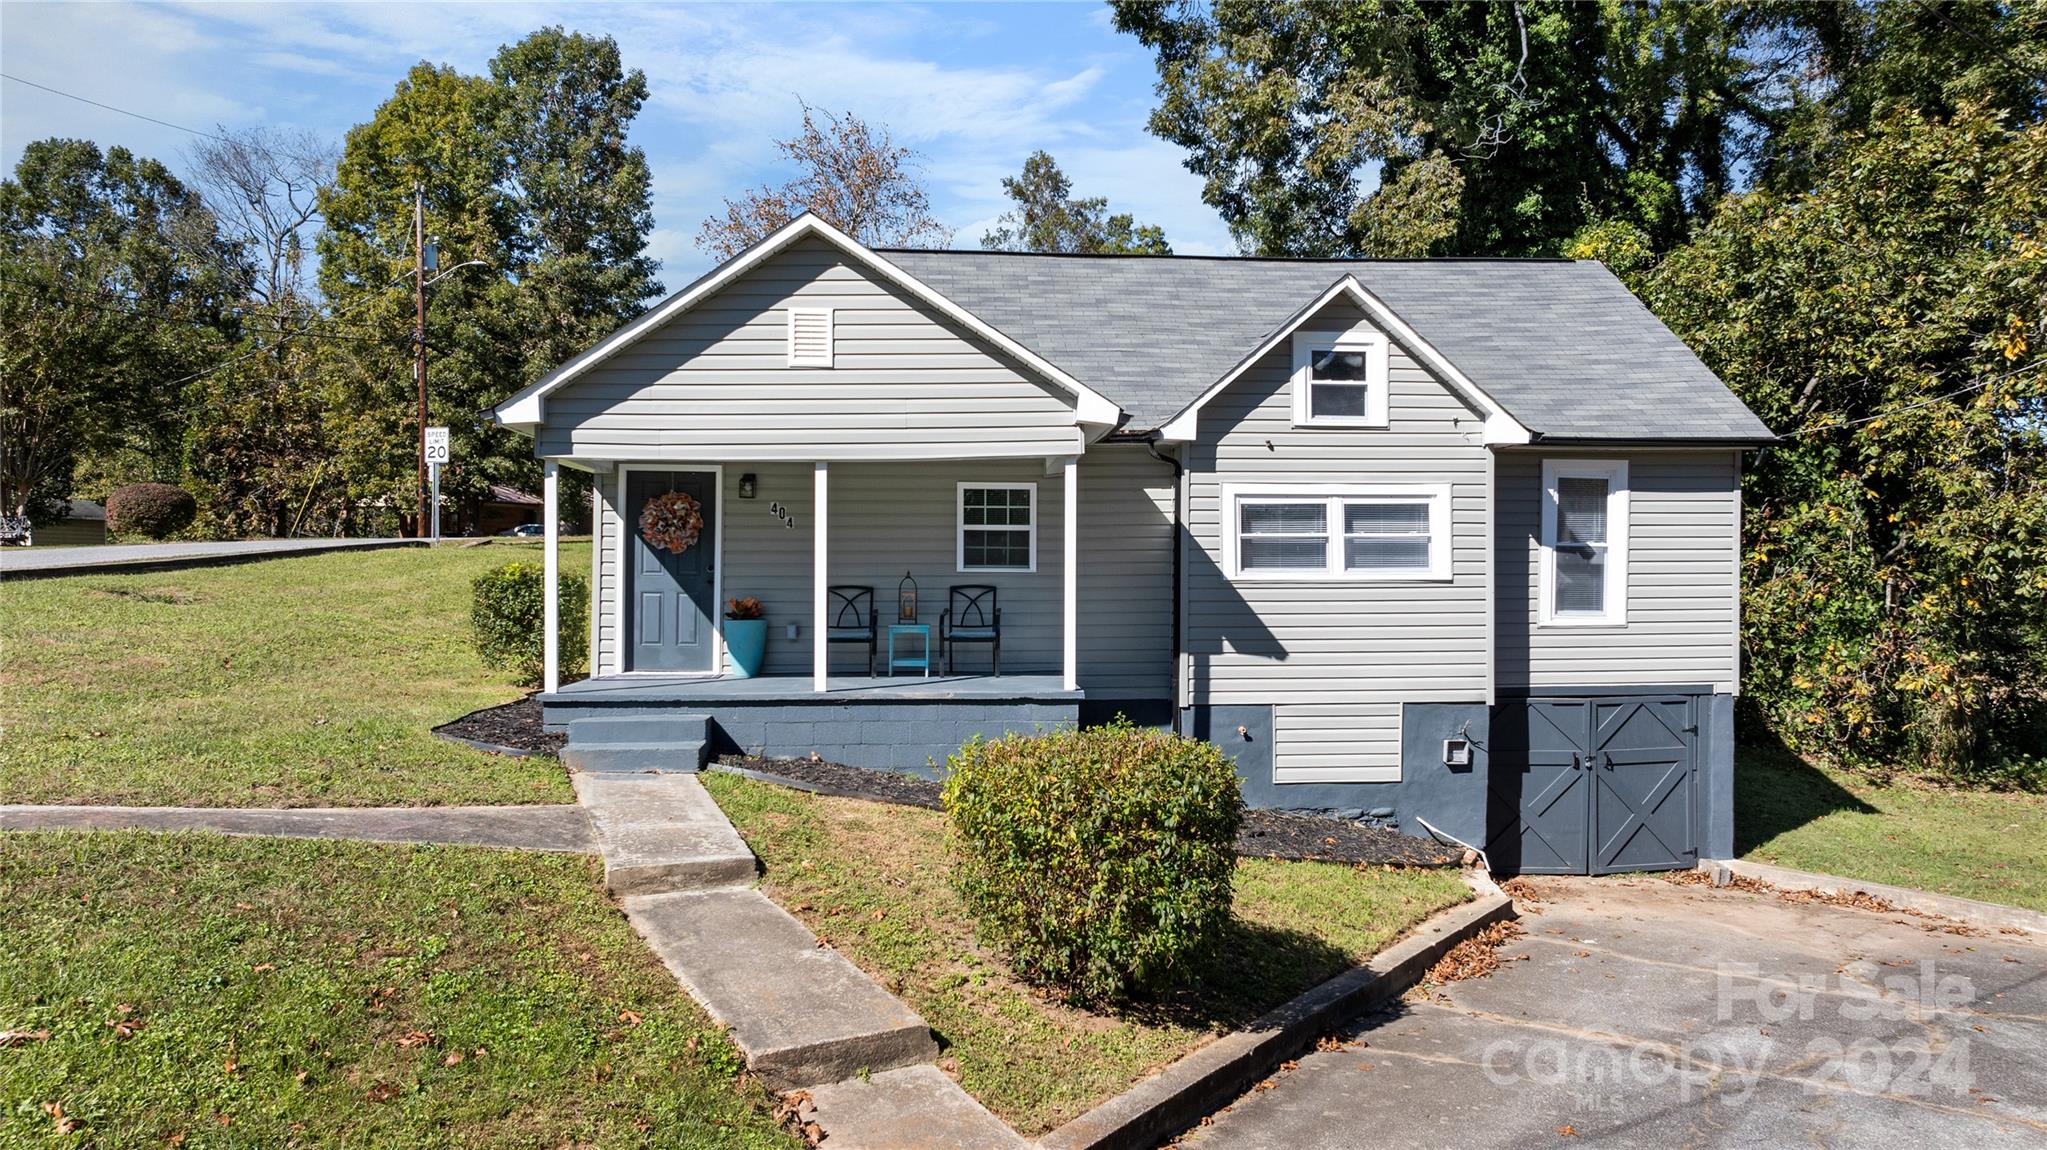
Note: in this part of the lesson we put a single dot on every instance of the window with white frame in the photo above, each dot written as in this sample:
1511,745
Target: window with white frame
998,527
1339,379
1584,577
1348,532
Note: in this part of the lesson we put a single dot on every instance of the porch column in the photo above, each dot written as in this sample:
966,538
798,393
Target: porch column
550,612
820,665
1069,569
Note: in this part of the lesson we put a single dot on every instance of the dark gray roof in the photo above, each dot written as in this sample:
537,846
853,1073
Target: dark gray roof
1561,344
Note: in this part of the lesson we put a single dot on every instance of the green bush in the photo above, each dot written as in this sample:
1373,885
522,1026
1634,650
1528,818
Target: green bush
1097,859
506,619
152,510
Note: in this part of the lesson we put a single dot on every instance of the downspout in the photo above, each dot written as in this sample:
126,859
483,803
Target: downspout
1151,445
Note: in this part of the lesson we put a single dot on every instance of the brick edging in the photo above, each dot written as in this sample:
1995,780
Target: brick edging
1195,1086
1995,916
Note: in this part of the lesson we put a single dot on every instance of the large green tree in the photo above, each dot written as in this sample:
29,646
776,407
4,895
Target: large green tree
1049,218
115,287
528,174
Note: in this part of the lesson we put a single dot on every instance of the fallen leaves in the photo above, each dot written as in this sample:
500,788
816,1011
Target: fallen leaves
23,1037
65,1124
1567,1131
630,1017
1475,957
381,1092
415,1038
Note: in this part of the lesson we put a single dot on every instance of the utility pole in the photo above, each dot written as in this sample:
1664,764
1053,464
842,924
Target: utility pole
419,338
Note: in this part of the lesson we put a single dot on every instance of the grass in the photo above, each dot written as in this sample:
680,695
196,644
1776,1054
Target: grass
202,991
1975,844
871,879
290,682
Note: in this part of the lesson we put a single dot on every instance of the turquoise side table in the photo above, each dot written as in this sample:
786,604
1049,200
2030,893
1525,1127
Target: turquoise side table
920,631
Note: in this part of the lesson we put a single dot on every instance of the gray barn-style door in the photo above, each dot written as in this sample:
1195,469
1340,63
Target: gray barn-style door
670,597
1592,786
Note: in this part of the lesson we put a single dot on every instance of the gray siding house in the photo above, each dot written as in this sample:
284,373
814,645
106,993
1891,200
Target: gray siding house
1447,545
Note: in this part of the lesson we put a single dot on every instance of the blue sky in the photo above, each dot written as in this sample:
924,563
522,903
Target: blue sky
973,87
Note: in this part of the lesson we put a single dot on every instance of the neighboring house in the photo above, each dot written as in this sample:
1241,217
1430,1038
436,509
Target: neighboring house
84,524
1442,540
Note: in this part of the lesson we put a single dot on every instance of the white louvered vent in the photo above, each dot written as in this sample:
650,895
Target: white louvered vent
810,337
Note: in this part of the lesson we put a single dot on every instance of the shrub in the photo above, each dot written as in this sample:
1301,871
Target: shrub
1097,859
153,510
507,617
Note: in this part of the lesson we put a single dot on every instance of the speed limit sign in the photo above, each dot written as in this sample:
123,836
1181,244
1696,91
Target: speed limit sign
437,445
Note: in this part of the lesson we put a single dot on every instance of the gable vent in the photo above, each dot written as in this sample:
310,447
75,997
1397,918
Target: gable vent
810,337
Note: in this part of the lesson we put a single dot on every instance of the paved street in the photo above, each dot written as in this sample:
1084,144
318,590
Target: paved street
155,556
1649,1014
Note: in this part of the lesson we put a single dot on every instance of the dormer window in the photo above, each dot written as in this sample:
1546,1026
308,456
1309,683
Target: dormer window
1339,379
810,337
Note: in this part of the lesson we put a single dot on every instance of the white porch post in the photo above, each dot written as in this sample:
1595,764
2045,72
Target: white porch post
550,515
821,651
1069,569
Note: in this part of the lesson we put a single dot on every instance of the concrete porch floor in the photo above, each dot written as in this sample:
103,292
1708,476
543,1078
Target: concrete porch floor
797,689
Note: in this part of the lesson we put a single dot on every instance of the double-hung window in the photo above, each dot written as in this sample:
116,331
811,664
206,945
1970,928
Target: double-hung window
1325,532
998,527
1584,542
1339,379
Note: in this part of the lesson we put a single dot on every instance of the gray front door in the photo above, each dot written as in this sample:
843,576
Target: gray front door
670,597
1592,786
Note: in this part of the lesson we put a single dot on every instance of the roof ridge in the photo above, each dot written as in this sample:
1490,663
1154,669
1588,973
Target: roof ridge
1189,257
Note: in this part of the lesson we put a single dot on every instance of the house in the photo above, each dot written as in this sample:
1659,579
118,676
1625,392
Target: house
84,524
1452,545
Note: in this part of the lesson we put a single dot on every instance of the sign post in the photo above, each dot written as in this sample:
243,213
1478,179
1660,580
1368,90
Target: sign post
437,453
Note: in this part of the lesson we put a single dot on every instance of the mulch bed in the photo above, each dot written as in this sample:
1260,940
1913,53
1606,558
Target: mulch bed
513,727
1265,834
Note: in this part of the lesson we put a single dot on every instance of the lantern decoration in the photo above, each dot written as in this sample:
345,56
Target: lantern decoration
672,522
906,600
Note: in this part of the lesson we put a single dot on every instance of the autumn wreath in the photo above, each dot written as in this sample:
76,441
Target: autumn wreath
672,522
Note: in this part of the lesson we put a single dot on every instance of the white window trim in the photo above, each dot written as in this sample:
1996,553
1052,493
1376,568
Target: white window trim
830,336
1368,340
959,527
1436,495
1615,472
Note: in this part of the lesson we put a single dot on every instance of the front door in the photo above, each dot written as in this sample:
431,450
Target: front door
670,596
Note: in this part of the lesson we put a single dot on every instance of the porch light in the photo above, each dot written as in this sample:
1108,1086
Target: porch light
746,486
906,599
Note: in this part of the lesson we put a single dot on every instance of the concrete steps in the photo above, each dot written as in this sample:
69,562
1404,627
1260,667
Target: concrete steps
800,1012
661,833
914,1108
635,744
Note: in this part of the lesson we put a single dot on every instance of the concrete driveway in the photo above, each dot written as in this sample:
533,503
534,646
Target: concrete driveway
1638,1012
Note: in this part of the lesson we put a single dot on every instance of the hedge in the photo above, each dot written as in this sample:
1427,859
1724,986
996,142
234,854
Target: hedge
506,619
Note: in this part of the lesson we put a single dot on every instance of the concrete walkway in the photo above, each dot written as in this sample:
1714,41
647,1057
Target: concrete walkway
803,1015
564,829
124,558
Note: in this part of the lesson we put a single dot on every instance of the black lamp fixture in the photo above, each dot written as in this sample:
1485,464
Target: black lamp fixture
746,486
906,600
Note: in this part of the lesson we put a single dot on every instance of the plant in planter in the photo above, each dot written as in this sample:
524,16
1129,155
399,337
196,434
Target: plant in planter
746,635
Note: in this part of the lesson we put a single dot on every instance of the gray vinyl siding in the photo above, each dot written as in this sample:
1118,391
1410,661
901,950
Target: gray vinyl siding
714,383
1337,658
1126,574
1684,579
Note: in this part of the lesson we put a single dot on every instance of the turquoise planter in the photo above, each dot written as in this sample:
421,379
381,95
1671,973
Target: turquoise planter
746,640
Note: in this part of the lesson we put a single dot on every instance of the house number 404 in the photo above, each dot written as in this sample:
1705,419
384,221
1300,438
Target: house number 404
782,513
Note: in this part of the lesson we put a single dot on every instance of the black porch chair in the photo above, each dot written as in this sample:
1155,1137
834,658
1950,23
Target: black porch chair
852,620
971,616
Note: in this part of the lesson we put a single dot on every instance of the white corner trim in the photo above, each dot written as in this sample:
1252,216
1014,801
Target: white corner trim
1441,525
527,407
1500,428
959,526
1618,496
1363,337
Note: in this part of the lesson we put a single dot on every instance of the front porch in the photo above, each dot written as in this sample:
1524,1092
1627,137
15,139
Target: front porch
653,722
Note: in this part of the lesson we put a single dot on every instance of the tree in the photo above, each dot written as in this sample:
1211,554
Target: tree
263,185
114,287
854,177
1048,219
1408,127
1890,320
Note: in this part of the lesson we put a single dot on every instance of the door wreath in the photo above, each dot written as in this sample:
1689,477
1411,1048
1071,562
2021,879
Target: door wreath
672,522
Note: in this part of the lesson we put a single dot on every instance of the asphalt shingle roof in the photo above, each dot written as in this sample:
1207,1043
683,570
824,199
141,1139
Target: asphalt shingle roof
1561,344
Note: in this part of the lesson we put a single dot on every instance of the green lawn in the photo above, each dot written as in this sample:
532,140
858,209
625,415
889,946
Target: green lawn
1976,844
289,682
201,991
871,880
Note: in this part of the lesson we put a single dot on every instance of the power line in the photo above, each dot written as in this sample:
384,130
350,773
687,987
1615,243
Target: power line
1976,386
344,333
111,108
